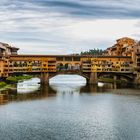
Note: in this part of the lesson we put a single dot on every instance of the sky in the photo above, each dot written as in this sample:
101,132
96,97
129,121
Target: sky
67,26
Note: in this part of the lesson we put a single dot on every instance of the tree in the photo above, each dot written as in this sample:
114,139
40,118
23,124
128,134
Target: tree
93,52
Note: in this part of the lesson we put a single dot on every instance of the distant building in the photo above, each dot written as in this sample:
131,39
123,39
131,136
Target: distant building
137,47
6,49
124,47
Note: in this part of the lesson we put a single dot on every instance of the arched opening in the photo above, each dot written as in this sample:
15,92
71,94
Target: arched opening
67,78
68,66
77,66
121,77
28,86
67,83
60,66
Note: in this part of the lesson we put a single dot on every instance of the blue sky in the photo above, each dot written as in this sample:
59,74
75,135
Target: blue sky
67,26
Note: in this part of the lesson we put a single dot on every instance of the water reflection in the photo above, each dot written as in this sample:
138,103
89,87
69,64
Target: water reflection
4,98
73,111
26,90
32,90
28,86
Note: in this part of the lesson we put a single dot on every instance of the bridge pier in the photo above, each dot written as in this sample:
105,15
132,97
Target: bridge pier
137,79
115,77
92,78
45,78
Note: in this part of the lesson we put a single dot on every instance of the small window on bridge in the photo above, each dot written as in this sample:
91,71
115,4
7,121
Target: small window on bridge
76,59
59,58
68,58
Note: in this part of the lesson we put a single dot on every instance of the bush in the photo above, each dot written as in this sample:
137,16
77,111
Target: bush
111,80
2,84
15,79
24,77
11,79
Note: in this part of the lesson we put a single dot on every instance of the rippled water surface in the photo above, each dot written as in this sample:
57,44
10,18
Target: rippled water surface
70,110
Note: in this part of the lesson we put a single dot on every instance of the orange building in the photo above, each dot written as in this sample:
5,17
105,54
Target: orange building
124,47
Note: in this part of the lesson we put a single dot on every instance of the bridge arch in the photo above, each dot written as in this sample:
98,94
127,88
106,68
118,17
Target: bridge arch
66,78
82,75
60,66
68,66
128,77
45,77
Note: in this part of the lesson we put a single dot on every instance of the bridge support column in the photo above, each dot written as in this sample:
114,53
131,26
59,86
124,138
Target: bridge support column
93,78
137,79
115,78
45,78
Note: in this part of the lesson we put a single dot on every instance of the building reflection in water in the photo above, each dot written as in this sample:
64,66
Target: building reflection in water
4,98
28,90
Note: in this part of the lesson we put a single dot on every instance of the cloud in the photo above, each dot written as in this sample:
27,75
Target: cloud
93,8
102,29
63,27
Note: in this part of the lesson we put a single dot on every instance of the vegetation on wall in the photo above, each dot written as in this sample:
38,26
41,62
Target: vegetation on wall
2,84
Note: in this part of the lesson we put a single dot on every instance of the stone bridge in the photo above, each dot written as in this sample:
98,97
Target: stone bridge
48,66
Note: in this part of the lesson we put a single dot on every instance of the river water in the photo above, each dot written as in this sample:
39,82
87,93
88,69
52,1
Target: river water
70,110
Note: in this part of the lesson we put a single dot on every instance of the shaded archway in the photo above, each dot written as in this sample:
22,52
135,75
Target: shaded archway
60,66
68,66
119,76
77,66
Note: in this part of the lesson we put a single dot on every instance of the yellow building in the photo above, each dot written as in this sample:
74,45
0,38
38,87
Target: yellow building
124,47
